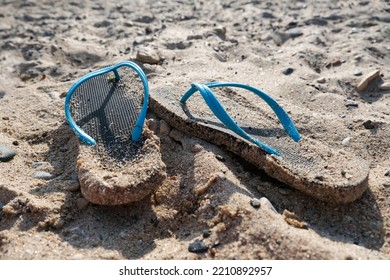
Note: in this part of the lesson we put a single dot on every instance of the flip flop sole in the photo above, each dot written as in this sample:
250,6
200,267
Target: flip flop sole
318,170
108,180
116,170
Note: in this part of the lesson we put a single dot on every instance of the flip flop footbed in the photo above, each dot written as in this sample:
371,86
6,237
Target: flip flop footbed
309,165
116,170
107,109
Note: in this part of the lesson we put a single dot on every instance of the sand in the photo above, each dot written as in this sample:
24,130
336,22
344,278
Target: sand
308,55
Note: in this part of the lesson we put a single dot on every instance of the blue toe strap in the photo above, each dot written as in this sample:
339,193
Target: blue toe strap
220,112
137,130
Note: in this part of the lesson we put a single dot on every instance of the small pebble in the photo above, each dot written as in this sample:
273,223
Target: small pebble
39,174
71,185
357,72
206,233
321,80
351,104
255,203
319,178
294,32
220,30
148,55
220,158
145,19
384,86
387,173
6,154
267,15
81,203
164,128
195,37
264,202
366,80
368,124
346,141
288,71
153,125
197,247
334,63
104,23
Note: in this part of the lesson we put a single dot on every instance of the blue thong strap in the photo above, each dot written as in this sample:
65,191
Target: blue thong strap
220,112
137,130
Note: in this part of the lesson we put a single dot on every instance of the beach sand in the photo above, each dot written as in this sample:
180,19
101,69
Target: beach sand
308,55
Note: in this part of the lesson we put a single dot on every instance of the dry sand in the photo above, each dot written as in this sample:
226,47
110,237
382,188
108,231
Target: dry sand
210,194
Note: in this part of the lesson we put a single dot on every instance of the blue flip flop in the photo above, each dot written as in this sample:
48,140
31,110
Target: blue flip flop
120,161
233,119
103,89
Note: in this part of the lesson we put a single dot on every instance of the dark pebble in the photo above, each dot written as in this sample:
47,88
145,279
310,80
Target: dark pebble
316,21
351,104
319,178
15,143
288,71
368,124
255,203
387,173
198,247
104,23
267,15
6,154
145,19
206,233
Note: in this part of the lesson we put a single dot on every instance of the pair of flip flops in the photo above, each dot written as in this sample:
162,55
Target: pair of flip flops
121,162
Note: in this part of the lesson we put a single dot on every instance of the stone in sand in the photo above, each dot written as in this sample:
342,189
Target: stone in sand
384,86
197,247
40,174
255,203
288,71
6,154
148,55
366,80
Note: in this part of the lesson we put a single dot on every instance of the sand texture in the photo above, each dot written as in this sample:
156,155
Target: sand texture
325,62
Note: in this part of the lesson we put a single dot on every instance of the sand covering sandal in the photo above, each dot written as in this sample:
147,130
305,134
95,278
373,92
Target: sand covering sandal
305,164
121,161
